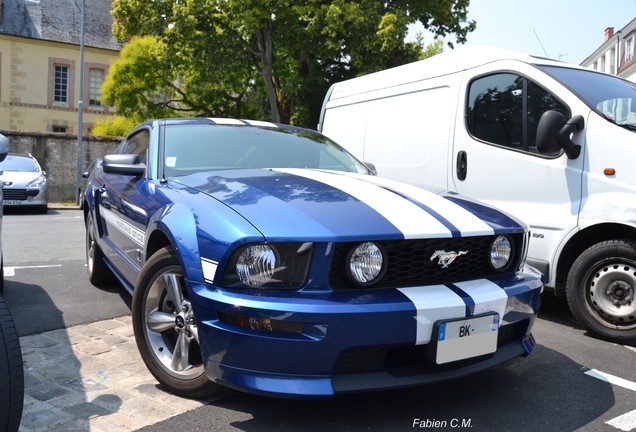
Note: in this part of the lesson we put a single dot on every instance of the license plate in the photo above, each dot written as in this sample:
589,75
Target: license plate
11,202
465,338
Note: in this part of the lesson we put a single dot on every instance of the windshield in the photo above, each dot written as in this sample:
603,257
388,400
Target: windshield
18,163
193,148
612,97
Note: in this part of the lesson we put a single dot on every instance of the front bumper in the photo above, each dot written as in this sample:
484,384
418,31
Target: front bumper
31,197
352,341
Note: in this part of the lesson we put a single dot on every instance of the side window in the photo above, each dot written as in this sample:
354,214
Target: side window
137,144
505,109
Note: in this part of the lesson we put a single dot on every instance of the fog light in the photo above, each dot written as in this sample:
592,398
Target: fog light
366,263
500,252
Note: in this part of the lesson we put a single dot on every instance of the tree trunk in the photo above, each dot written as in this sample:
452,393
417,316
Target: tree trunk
267,62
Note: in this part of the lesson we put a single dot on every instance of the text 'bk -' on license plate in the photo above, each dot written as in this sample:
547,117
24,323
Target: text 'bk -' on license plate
465,338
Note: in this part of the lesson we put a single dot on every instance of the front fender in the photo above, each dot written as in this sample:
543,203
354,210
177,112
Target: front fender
177,223
207,231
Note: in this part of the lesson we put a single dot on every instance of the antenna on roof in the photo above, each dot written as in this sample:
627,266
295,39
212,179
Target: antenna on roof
545,52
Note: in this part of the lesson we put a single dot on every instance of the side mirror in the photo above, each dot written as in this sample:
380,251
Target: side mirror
371,168
553,134
126,164
4,147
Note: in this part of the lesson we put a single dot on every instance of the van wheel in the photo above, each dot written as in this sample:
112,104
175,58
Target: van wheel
600,289
166,331
11,373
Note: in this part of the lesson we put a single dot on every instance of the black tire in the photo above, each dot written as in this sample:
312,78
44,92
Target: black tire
600,289
98,272
1,275
11,373
165,329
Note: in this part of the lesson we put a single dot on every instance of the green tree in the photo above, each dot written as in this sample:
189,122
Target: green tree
221,56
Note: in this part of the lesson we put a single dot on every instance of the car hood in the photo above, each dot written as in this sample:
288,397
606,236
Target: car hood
315,204
18,178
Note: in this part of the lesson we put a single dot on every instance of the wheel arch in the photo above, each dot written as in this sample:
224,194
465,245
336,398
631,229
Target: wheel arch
583,240
175,226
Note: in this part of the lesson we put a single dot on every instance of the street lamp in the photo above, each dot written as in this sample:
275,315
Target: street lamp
80,111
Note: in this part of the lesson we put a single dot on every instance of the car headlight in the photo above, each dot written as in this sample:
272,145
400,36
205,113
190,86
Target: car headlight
366,263
38,182
256,265
268,265
500,252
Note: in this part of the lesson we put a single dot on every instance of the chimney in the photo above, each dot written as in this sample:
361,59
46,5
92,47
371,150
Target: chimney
609,32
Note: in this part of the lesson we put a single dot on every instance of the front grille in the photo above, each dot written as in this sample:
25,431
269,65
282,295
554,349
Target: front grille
14,194
410,263
385,358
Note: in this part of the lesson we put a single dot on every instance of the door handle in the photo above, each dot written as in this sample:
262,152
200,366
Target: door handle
462,165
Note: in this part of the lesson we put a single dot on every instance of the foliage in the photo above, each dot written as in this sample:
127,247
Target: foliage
113,126
270,58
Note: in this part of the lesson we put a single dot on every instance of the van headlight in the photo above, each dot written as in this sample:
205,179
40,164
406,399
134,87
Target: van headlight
500,252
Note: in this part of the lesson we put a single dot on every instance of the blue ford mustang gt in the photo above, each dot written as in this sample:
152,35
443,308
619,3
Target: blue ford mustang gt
267,259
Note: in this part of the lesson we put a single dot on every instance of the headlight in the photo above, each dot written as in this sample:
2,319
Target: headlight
38,182
256,265
268,265
366,263
500,252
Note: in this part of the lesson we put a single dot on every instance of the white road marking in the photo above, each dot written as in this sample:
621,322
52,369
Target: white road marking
10,271
627,421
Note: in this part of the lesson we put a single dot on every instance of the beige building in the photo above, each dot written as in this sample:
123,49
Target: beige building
40,63
616,56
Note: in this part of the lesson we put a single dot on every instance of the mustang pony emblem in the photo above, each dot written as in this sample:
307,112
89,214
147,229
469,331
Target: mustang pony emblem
444,258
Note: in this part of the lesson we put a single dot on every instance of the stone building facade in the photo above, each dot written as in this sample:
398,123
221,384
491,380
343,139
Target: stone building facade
40,63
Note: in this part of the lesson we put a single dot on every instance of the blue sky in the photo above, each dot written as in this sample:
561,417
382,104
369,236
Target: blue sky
569,30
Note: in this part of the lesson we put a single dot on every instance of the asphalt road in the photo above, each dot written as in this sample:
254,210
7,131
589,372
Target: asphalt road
571,382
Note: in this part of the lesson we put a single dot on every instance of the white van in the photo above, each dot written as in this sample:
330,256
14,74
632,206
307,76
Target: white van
551,143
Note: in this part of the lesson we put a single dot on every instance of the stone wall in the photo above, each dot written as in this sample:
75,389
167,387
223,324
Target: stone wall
57,154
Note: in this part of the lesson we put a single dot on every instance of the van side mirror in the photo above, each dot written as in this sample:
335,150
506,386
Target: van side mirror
553,134
371,168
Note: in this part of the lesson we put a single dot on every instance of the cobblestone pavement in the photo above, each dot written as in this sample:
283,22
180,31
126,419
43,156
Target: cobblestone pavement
91,378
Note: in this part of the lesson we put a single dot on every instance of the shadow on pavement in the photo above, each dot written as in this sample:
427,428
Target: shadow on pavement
511,390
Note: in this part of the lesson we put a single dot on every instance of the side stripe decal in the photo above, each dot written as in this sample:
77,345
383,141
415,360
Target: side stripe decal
133,233
209,269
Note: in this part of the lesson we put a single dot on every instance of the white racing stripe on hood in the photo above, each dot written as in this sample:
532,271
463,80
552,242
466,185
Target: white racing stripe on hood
433,303
466,222
411,220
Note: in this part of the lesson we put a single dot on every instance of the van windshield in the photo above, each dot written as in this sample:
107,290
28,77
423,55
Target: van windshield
612,97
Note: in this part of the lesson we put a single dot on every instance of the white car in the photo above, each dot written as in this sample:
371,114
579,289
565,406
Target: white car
25,182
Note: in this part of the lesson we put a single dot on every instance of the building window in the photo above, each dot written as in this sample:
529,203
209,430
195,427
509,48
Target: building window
62,129
95,80
60,91
629,49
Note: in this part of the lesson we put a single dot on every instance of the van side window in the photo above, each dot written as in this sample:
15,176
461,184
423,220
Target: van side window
505,109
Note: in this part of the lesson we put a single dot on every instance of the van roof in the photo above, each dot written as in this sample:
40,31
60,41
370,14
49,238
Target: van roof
441,64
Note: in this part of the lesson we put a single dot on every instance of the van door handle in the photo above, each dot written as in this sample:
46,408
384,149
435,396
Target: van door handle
462,165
